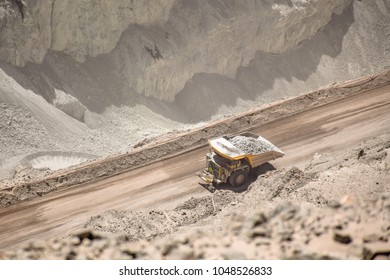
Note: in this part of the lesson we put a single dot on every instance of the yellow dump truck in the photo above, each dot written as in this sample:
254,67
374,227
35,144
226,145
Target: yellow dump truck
232,158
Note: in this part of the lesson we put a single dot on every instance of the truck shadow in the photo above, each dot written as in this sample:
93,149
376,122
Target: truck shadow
263,169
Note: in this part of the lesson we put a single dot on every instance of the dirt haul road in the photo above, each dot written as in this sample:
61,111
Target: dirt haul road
332,127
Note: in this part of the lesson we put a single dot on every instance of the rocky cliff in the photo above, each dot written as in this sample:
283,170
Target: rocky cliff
160,45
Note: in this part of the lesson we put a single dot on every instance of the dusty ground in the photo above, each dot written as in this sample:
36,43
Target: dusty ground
314,181
337,207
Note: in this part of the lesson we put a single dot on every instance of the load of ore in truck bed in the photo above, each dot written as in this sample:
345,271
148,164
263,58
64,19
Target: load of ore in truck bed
251,145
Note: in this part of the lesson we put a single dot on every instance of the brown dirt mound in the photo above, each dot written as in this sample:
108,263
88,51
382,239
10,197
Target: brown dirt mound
139,225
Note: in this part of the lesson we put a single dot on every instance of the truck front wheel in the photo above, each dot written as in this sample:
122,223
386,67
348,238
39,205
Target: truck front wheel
238,178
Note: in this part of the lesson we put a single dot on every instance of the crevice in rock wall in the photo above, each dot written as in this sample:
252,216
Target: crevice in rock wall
51,24
22,8
154,52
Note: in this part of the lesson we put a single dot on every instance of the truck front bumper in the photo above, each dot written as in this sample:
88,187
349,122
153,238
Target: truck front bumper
206,176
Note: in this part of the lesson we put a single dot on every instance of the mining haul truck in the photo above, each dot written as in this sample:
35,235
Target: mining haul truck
233,158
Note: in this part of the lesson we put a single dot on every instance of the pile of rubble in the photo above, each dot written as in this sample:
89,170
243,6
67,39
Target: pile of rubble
287,231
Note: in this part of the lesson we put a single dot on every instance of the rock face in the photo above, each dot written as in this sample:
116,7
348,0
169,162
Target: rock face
164,43
168,49
191,52
88,28
29,29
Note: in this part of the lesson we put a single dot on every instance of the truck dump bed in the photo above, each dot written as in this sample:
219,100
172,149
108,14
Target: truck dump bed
246,145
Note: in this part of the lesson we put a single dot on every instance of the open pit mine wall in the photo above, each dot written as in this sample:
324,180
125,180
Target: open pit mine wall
182,54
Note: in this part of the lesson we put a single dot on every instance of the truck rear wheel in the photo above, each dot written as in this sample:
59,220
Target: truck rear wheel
238,178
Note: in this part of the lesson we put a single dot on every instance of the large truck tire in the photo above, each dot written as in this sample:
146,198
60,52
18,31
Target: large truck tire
238,178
